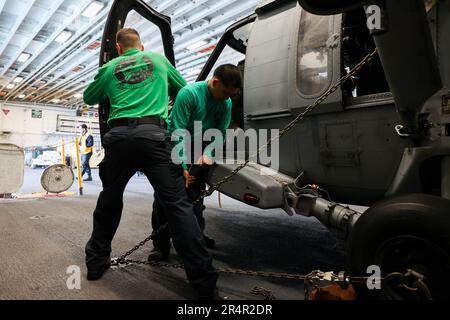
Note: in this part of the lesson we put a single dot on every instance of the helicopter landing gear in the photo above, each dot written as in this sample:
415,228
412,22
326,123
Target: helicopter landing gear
408,238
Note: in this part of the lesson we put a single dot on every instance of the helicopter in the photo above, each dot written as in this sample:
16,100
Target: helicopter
380,140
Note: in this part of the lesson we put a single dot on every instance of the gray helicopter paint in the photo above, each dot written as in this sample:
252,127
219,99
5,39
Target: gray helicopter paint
354,155
267,188
351,147
415,79
334,149
266,67
436,143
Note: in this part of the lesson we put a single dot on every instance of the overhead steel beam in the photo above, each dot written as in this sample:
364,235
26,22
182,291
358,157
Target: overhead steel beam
248,7
237,9
2,4
165,5
42,22
187,16
67,22
23,11
73,56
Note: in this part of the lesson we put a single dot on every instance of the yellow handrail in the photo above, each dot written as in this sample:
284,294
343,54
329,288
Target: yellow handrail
63,153
80,181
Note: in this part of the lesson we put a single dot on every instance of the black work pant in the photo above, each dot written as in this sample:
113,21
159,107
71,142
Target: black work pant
130,152
161,231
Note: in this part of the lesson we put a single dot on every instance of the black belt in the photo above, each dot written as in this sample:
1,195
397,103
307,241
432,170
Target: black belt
133,122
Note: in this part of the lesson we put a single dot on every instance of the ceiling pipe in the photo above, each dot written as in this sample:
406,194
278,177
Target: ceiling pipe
182,52
55,6
74,52
222,18
45,45
22,14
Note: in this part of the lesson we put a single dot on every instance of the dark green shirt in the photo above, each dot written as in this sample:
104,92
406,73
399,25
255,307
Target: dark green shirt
195,103
138,84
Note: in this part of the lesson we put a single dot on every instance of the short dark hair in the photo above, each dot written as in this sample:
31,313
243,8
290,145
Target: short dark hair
229,75
128,38
84,126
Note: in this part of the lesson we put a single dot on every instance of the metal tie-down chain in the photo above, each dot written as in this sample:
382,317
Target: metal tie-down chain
301,116
314,278
312,281
124,261
260,291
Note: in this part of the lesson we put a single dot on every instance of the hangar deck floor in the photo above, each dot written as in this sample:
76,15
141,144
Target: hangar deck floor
35,253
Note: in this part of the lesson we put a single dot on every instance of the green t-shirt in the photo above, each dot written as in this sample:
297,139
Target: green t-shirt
138,84
195,103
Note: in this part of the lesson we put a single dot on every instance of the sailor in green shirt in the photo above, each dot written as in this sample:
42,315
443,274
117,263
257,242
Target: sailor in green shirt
208,103
138,85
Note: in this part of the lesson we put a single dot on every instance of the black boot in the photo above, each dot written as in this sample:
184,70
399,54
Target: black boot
210,242
97,273
214,295
159,253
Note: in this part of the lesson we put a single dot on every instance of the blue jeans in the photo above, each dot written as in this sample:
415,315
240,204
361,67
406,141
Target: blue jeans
85,164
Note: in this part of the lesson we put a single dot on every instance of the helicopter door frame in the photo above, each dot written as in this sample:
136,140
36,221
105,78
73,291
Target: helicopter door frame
116,19
226,39
298,101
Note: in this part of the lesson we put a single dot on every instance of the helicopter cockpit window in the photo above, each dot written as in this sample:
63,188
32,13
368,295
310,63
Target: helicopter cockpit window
228,55
242,33
233,56
312,63
149,32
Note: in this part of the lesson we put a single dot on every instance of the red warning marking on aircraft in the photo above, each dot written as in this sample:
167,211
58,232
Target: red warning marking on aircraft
210,48
6,111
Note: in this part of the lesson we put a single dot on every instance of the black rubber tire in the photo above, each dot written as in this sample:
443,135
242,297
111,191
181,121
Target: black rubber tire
405,232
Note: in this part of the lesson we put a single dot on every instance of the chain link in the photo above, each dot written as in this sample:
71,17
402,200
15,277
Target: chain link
125,262
251,273
123,258
260,291
312,280
289,126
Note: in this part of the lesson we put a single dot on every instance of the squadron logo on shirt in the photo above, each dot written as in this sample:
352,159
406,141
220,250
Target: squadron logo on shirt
131,71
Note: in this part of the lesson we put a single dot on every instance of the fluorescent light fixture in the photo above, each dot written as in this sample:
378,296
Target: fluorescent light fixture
64,36
21,96
24,57
56,100
93,9
18,80
78,95
10,86
197,45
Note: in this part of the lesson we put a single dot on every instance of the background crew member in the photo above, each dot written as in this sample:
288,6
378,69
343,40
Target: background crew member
86,149
137,85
